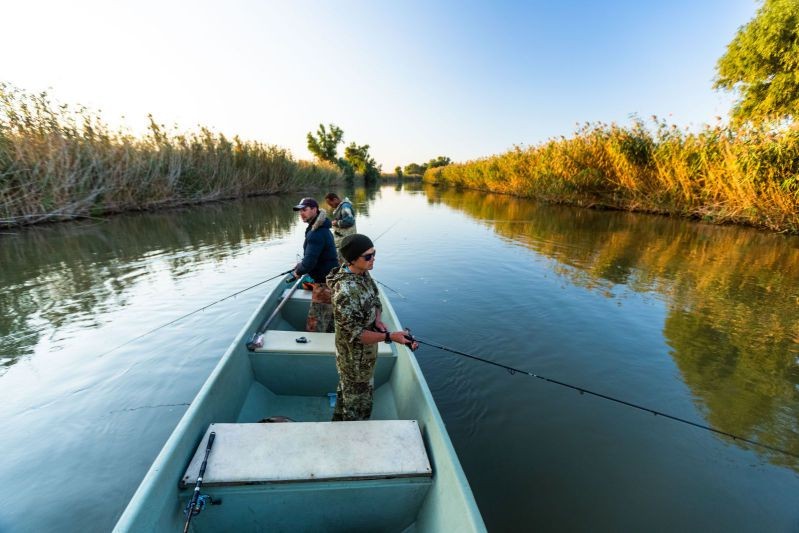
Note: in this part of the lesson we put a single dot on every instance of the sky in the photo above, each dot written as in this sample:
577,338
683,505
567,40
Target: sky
412,79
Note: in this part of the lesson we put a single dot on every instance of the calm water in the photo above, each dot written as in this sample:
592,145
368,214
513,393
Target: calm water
695,320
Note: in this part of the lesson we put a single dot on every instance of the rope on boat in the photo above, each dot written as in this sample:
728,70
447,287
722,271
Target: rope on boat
203,308
582,390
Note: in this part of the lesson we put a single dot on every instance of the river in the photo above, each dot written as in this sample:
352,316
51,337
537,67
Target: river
695,320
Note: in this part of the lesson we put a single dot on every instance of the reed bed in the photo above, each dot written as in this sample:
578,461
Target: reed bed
58,163
744,176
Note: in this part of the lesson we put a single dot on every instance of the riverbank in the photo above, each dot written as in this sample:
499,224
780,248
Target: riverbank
720,175
58,163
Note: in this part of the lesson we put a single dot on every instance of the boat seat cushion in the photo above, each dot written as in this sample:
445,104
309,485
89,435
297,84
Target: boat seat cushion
247,454
276,341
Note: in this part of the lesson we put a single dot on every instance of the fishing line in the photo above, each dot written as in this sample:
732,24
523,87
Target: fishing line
389,288
380,282
162,326
389,229
582,390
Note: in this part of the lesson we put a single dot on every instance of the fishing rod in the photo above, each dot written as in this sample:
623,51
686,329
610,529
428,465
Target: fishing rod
197,503
583,390
162,326
257,339
389,288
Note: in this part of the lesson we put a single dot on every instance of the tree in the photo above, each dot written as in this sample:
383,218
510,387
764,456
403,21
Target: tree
415,169
398,171
346,169
361,161
325,144
762,65
439,161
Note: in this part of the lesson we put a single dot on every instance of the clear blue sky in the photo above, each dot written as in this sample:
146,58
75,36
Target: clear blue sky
412,79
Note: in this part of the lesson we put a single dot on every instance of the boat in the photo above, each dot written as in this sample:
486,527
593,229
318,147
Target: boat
277,462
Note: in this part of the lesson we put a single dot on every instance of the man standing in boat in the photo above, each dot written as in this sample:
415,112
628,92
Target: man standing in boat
319,257
343,219
359,328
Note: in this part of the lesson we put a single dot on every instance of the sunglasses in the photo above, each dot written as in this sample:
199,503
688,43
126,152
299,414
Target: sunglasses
368,257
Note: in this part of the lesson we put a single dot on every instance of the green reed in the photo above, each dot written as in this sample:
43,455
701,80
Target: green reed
58,162
743,176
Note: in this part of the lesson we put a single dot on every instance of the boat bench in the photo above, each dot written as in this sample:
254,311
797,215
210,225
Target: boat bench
354,475
286,366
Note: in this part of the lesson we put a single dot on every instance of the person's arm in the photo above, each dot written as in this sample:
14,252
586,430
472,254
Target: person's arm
373,337
379,325
311,256
347,219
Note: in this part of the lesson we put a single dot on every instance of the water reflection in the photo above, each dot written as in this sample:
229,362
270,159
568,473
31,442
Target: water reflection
71,274
732,296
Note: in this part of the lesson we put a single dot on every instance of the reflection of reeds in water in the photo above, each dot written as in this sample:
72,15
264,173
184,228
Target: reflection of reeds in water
57,275
732,296
56,163
746,176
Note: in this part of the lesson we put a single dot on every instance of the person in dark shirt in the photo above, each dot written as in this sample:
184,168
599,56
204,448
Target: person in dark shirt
318,259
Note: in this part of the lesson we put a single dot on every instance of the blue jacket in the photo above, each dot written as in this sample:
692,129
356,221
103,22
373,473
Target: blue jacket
319,250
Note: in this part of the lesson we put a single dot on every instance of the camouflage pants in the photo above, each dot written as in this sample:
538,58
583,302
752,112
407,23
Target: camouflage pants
355,384
320,315
353,401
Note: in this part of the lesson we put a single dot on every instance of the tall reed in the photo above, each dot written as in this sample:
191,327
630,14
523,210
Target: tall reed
59,163
745,176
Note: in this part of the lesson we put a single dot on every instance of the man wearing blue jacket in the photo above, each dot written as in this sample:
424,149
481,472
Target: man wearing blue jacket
318,259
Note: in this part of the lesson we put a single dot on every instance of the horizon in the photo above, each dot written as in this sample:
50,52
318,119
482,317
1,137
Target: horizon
413,81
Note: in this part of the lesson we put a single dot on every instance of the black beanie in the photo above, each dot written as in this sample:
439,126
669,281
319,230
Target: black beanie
354,245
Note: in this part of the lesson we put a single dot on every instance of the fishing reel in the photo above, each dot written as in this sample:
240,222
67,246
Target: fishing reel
411,340
202,501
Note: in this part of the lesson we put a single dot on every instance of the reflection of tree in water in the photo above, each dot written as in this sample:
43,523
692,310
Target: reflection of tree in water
59,274
733,295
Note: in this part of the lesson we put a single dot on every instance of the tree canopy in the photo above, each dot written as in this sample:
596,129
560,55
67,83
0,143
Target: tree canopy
415,169
361,161
324,145
440,161
762,65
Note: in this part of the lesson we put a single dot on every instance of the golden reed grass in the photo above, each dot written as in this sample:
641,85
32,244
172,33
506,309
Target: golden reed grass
745,176
59,163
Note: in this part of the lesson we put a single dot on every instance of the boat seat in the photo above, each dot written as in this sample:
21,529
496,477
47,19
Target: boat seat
286,366
311,452
285,342
299,294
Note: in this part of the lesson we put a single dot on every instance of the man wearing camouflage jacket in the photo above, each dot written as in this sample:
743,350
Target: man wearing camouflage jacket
342,219
356,315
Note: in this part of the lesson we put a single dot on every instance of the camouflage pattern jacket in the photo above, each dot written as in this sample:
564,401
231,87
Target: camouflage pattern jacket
355,304
345,220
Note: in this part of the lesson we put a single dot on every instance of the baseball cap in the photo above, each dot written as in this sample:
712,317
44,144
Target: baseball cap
306,202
